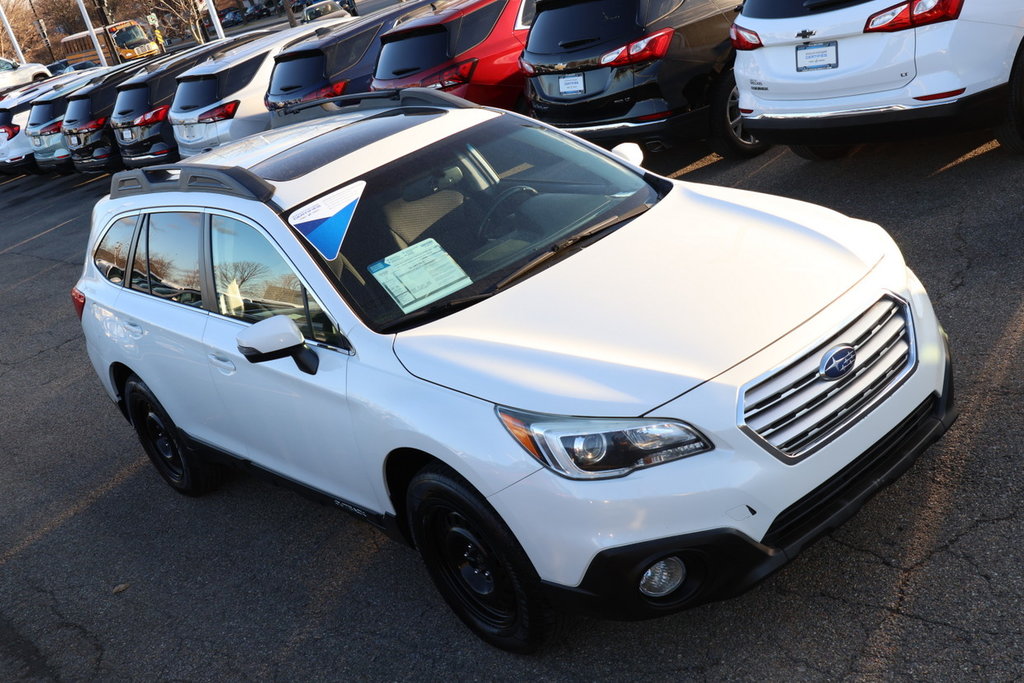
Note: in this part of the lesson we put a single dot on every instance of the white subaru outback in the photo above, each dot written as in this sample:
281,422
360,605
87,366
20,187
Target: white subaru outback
568,382
822,74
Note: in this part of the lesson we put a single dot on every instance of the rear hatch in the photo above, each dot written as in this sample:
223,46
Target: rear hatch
566,43
131,103
203,101
818,49
44,122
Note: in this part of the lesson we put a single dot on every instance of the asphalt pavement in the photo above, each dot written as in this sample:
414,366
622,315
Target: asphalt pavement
105,573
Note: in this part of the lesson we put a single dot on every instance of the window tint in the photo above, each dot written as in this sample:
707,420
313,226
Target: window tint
78,111
473,28
170,246
5,65
254,282
303,71
527,12
413,52
563,26
195,93
42,112
133,101
111,255
659,8
6,116
345,53
782,9
239,76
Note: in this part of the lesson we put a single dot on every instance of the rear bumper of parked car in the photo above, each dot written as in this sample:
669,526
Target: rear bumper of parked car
17,165
662,132
814,122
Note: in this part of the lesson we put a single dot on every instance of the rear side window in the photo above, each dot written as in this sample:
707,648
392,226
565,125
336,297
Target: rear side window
783,9
346,53
254,282
472,29
111,255
564,26
410,53
167,258
240,75
294,74
195,93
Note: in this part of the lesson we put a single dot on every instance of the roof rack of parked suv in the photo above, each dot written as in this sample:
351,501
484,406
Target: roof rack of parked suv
233,180
403,97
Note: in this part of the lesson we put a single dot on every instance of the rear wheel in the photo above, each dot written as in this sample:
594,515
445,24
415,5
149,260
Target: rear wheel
821,152
186,472
1010,133
475,562
39,77
729,137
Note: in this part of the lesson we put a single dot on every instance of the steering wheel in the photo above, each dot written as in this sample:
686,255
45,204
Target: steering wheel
482,231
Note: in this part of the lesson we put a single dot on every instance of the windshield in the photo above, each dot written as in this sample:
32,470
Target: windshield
321,9
130,36
455,219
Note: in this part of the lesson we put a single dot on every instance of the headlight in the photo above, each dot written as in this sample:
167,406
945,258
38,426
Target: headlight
599,448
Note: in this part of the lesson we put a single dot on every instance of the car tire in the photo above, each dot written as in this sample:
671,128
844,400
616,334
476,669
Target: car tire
476,563
728,136
821,152
39,77
185,471
1010,133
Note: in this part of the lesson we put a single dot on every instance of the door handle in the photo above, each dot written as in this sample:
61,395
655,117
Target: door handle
223,364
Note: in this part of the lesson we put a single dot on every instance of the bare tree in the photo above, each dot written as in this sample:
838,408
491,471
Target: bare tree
188,13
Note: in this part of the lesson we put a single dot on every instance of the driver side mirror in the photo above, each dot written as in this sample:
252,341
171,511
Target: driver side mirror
630,152
277,337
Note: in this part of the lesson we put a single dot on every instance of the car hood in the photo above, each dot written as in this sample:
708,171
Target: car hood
700,282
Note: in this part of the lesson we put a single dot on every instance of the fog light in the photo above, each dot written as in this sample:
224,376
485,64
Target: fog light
663,577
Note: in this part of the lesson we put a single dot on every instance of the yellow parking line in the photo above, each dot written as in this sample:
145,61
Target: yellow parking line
69,513
29,239
92,180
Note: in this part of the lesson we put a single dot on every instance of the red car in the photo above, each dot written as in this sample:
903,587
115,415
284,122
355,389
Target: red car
468,48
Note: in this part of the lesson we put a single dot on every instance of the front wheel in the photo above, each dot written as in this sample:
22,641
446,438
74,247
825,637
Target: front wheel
729,137
185,471
475,562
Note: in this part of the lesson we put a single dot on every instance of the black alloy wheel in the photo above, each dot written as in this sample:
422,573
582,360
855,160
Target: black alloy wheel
475,562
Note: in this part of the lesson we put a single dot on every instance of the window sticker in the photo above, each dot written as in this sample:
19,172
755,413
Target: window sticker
325,222
419,275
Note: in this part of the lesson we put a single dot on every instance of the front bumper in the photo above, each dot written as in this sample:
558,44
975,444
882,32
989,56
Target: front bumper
851,125
723,563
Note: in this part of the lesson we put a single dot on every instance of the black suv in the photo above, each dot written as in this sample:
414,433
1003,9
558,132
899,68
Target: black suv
332,63
649,71
141,129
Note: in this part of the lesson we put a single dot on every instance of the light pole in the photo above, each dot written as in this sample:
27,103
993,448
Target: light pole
92,34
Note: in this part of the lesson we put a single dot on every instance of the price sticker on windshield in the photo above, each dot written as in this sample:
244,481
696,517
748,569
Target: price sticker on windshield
419,275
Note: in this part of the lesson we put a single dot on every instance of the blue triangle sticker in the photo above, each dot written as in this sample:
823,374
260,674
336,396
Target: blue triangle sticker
325,221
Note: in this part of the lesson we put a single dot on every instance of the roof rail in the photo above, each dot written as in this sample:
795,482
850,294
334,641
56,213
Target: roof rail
401,97
230,180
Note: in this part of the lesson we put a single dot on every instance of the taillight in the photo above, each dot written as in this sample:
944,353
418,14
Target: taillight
95,124
78,301
332,90
653,46
525,67
51,129
9,131
744,38
913,13
221,113
452,76
153,116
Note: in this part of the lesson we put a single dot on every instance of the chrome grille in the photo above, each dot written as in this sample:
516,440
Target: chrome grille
795,411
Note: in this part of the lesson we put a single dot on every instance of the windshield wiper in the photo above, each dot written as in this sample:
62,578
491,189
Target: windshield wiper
438,310
558,247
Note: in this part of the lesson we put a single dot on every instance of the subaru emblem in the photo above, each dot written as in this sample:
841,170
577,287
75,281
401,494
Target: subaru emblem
837,362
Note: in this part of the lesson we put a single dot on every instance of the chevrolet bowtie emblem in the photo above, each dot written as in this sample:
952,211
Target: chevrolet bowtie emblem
805,34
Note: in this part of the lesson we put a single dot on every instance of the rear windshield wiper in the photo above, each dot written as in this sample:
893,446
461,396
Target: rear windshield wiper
559,247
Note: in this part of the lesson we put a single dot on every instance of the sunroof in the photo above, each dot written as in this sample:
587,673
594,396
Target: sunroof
325,148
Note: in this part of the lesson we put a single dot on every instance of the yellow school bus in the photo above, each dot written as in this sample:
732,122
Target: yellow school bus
120,42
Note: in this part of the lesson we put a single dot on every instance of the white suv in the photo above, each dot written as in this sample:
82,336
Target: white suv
565,380
222,99
821,74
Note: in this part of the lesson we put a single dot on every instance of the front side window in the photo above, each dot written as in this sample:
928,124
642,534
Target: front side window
5,65
111,255
254,282
167,258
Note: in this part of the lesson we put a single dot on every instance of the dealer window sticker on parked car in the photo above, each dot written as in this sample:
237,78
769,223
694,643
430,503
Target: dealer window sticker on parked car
325,221
419,275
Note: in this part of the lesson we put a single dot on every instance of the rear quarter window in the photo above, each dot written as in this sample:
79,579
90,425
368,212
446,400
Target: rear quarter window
472,29
346,53
784,9
111,256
